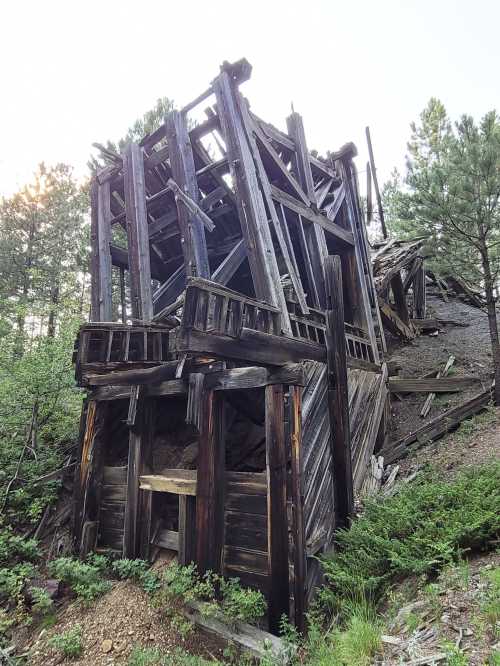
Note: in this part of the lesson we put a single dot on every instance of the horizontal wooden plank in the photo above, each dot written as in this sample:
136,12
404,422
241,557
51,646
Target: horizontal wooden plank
183,482
251,560
171,481
113,493
110,538
252,346
114,475
254,504
255,377
432,385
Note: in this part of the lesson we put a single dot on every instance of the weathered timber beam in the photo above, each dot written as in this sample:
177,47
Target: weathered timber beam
314,234
308,214
177,481
280,166
135,377
210,489
437,427
137,232
251,209
100,236
255,377
287,251
338,399
442,373
193,240
257,347
295,447
437,385
277,523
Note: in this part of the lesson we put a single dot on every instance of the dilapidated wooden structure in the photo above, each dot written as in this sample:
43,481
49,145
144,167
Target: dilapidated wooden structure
235,384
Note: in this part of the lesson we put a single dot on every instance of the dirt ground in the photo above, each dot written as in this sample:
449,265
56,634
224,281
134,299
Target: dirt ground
469,345
111,628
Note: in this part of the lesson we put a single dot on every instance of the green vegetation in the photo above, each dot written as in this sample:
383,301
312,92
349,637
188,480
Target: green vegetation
418,531
154,657
69,643
86,580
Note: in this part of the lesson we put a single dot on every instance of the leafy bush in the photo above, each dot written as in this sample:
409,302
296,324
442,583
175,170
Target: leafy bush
183,583
13,578
424,527
69,642
125,568
240,604
14,548
42,603
85,579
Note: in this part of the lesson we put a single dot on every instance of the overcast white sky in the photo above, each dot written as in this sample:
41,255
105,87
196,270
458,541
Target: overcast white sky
76,72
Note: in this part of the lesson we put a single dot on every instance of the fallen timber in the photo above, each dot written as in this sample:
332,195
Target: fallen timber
437,427
232,413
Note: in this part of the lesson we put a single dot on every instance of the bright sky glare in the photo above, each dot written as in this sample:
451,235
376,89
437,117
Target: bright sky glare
77,72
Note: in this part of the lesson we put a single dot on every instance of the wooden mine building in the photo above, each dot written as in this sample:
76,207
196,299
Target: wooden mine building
235,388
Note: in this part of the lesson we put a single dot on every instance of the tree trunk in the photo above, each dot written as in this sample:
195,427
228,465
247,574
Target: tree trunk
492,322
54,302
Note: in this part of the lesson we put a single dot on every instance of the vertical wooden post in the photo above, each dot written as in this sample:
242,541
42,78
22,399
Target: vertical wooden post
297,487
419,294
100,237
137,233
369,201
145,501
210,487
277,524
139,461
90,477
363,281
400,298
375,182
314,234
123,305
338,400
180,153
251,209
187,529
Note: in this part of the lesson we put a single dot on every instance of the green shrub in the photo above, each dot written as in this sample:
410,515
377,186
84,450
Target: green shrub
183,583
42,603
14,548
125,568
13,578
424,527
241,604
85,579
69,643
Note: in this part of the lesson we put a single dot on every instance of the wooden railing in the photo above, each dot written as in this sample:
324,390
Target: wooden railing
119,343
211,308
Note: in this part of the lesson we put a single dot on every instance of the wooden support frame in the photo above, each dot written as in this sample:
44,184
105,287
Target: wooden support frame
137,233
251,209
338,399
277,524
193,242
314,234
210,489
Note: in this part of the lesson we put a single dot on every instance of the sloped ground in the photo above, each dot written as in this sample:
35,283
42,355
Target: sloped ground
469,345
449,621
112,627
